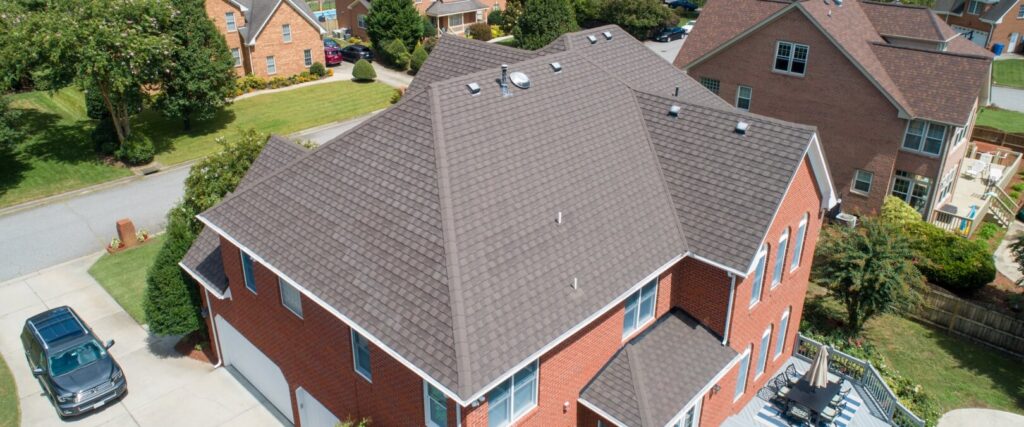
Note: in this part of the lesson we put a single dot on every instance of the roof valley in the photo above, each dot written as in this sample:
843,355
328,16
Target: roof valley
448,232
638,383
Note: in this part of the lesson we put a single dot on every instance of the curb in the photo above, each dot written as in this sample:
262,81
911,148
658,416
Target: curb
297,136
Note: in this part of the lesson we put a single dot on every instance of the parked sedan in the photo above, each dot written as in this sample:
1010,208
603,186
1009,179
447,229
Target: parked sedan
355,52
75,369
686,5
669,34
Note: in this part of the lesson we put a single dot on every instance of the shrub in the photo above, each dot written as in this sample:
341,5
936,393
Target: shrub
543,21
638,17
363,71
419,56
104,137
395,54
318,69
394,19
495,17
136,150
1018,186
960,265
429,30
429,43
480,31
396,96
1014,194
987,231
496,32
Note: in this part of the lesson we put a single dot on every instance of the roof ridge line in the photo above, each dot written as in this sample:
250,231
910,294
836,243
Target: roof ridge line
935,52
451,249
635,371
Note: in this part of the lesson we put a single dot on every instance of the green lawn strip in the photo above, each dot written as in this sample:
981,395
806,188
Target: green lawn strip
9,410
957,373
1008,72
1004,120
280,113
123,275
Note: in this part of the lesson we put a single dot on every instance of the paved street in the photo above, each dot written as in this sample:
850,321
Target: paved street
1008,98
164,388
83,224
322,134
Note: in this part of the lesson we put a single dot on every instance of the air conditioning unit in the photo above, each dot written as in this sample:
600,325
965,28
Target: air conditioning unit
846,219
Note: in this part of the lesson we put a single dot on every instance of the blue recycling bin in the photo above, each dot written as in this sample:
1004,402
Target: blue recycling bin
998,49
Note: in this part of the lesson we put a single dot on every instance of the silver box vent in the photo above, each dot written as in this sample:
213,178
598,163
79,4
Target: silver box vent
519,79
674,110
474,89
556,67
607,35
741,127
592,38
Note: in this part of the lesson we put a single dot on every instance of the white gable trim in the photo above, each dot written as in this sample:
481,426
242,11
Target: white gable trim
239,5
202,281
736,39
277,6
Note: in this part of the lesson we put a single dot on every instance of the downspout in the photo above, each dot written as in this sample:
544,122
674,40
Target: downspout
213,324
458,415
728,313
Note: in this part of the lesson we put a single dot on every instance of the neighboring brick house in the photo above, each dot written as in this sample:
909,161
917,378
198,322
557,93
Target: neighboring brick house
986,22
451,16
892,90
269,38
611,243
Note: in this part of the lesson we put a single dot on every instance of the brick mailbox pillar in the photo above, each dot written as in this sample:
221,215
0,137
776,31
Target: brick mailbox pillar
126,232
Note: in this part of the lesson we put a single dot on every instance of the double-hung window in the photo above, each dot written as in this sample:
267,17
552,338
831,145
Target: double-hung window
639,308
780,341
1020,12
862,181
798,243
741,379
361,21
512,398
286,33
455,20
743,94
229,20
755,291
237,56
924,137
435,405
762,352
791,57
290,297
307,57
780,258
247,272
271,65
974,7
361,355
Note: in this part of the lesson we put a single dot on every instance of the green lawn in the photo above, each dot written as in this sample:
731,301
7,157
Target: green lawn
1009,72
1005,120
57,155
958,373
123,275
9,410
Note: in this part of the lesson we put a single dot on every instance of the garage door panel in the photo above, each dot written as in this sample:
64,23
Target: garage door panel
312,413
979,38
239,353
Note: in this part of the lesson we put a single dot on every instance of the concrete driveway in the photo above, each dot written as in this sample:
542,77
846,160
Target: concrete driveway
1008,98
667,51
164,388
971,417
1004,259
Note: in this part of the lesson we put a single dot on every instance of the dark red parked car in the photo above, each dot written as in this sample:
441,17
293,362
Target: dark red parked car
332,52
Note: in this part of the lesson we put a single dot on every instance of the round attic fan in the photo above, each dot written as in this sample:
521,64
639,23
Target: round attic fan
519,79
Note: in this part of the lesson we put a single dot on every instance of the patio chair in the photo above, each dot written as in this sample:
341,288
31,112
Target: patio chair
792,375
975,169
799,414
783,385
828,416
840,397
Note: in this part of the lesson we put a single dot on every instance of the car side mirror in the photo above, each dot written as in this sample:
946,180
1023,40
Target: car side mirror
38,371
110,343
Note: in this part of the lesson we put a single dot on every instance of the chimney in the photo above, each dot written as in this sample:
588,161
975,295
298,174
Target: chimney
504,80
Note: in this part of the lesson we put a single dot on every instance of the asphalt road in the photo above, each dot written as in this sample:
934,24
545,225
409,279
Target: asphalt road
1008,98
84,224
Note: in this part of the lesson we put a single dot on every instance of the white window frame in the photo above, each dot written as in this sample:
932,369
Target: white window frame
790,58
428,401
286,33
798,243
361,21
246,279
512,417
639,320
271,65
946,185
857,178
480,16
924,137
780,338
740,97
760,267
368,376
1020,12
236,54
762,352
695,408
778,269
741,380
281,286
229,22
713,85
912,182
461,21
307,57
974,7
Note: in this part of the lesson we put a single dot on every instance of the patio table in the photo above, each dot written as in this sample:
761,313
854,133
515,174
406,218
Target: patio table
814,399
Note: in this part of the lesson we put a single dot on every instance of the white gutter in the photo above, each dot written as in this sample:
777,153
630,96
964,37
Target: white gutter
202,281
728,313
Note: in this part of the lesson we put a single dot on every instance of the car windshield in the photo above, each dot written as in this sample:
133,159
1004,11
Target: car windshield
76,357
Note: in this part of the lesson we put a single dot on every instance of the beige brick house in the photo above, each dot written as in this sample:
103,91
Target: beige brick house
269,38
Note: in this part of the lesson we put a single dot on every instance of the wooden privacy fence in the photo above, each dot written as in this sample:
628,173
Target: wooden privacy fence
972,321
1014,141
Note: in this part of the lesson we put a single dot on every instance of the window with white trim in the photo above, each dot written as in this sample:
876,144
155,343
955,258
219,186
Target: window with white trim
862,181
712,84
743,94
361,21
924,137
798,243
480,16
974,7
946,185
791,57
912,188
237,56
229,20
780,341
762,352
690,416
639,308
290,297
361,356
286,33
307,57
513,398
435,406
741,379
247,272
780,258
755,292
1020,12
271,65
455,20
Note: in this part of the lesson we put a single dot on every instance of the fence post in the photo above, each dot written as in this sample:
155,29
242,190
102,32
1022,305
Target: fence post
956,313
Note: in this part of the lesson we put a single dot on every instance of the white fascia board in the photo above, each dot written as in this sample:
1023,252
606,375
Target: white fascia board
202,281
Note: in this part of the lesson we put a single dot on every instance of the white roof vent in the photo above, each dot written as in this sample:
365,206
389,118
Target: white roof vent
592,38
674,110
519,79
474,89
607,35
556,67
741,127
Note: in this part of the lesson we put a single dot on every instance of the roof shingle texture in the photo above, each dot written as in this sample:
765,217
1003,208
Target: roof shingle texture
658,372
907,21
260,12
451,7
432,224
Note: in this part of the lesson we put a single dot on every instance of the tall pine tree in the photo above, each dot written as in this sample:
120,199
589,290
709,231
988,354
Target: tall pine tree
543,21
394,19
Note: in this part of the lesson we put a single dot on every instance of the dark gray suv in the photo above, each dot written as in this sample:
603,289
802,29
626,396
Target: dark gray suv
76,371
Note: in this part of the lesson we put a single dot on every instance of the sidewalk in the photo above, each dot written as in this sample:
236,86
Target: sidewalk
343,72
1005,262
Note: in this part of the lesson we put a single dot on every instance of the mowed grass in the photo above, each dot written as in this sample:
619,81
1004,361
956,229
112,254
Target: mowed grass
1009,72
9,410
1004,120
958,373
123,275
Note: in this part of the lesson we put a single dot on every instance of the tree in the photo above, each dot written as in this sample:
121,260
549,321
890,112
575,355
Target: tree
394,19
543,21
394,53
869,269
200,77
510,17
419,56
638,17
171,298
588,12
9,120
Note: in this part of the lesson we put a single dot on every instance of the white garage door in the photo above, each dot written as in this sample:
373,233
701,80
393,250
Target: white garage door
312,413
255,366
979,38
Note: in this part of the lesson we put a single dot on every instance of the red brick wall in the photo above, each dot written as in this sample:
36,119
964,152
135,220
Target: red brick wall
702,290
1001,32
217,10
288,56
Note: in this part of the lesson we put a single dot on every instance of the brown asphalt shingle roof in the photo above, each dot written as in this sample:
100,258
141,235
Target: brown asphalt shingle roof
432,224
857,27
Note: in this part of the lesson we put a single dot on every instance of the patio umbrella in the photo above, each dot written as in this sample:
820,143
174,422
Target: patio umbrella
817,375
